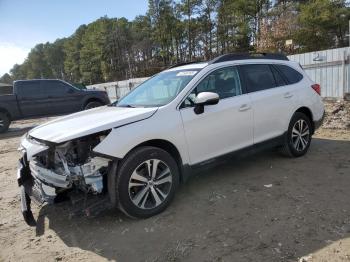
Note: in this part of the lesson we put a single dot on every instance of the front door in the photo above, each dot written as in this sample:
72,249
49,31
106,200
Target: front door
62,97
221,128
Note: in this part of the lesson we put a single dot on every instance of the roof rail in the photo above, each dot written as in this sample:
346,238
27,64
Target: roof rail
242,56
183,63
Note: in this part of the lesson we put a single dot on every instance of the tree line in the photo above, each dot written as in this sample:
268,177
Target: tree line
174,31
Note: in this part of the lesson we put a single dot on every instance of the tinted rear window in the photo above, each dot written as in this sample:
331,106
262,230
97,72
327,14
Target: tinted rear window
28,89
278,78
258,77
290,74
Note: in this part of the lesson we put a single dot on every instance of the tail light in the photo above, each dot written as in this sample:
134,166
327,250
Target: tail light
317,88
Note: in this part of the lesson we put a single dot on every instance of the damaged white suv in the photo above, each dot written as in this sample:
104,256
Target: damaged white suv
137,150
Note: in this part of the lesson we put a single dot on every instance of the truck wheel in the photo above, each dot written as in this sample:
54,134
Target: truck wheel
146,182
298,136
4,122
92,105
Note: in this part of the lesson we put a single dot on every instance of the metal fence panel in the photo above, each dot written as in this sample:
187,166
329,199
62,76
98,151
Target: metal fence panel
118,89
330,68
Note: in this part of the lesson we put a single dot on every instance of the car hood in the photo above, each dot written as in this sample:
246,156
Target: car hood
88,122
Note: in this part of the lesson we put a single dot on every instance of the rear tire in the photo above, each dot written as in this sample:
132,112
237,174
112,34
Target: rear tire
146,182
4,122
298,137
92,104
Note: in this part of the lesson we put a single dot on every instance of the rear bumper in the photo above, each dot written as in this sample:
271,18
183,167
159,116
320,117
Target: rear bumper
318,123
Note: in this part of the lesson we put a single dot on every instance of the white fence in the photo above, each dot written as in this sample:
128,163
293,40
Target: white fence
116,90
329,68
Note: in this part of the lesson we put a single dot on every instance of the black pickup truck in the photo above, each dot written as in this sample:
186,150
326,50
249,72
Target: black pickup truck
33,98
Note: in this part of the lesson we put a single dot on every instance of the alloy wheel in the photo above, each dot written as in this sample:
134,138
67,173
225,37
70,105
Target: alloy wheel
300,135
150,184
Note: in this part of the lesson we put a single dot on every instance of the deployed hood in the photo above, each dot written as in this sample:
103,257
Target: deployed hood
88,122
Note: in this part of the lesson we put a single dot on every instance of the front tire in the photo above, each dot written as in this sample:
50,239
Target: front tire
299,135
146,182
4,122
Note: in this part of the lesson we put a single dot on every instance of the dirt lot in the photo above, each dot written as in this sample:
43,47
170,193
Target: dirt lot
261,208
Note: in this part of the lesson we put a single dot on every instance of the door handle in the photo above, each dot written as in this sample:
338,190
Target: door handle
288,95
244,107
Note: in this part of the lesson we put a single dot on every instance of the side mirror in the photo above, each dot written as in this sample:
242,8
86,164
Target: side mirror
70,91
205,98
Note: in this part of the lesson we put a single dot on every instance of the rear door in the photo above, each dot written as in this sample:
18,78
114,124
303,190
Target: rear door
273,100
32,100
221,128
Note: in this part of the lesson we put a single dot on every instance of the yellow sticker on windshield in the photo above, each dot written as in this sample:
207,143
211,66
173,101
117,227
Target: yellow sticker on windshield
186,73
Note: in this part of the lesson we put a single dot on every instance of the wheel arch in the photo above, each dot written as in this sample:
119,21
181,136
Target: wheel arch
168,147
5,111
306,111
92,99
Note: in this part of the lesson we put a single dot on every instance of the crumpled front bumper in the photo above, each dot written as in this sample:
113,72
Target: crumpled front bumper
25,182
32,188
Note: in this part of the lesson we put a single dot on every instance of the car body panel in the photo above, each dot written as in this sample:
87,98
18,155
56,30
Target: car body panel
220,129
31,147
89,122
272,109
164,125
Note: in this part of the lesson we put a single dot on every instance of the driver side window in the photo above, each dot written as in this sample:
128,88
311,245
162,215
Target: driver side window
225,82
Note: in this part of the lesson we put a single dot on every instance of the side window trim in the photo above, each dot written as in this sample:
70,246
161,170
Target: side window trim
243,80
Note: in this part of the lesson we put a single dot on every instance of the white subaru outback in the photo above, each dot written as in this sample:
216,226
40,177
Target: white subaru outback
136,151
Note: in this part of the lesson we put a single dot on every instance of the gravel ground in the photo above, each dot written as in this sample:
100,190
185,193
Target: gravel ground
263,207
338,115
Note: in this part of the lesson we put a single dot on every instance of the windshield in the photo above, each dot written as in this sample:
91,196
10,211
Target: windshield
159,90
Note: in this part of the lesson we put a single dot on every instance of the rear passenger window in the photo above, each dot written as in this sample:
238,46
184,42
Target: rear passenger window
29,89
278,78
290,74
258,77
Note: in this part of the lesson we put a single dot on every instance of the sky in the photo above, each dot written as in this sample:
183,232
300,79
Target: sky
25,23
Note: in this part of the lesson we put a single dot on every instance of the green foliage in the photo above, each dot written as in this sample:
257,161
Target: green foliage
173,31
6,78
323,24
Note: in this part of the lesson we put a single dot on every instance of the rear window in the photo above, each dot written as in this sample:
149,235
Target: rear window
278,78
258,77
290,74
